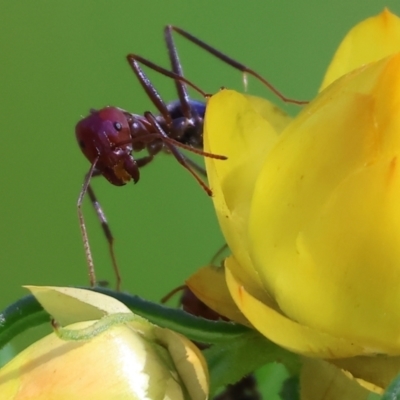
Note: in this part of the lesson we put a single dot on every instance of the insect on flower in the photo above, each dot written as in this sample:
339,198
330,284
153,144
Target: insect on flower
108,137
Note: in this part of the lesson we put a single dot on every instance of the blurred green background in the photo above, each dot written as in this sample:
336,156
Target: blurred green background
59,59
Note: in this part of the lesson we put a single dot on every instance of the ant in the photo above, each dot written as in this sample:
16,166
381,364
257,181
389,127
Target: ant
109,136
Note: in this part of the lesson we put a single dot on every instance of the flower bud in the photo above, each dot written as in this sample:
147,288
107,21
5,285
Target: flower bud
114,359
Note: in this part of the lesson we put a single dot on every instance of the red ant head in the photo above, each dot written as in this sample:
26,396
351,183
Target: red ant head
105,134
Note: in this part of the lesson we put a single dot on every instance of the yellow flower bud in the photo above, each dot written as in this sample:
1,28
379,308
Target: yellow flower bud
131,360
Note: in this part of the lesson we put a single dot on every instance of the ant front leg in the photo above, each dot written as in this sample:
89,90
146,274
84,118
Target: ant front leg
82,224
87,188
141,162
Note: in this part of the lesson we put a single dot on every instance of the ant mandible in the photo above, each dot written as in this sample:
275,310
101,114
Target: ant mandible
109,136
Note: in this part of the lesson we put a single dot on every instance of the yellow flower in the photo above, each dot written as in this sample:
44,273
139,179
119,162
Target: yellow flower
134,360
310,208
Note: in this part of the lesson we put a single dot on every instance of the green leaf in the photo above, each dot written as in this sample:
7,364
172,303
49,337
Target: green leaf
393,390
228,362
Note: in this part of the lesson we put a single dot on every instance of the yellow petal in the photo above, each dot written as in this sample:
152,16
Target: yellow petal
235,129
320,380
209,285
378,370
357,251
283,331
189,362
375,38
325,221
270,112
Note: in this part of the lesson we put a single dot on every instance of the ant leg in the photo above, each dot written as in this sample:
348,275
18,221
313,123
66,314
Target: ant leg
171,144
198,168
220,255
104,223
151,91
169,295
191,116
85,238
233,63
141,162
160,134
106,230
181,88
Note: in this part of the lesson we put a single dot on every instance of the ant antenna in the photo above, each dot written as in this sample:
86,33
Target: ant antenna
82,225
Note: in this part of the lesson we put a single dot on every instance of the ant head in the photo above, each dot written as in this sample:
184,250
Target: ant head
105,135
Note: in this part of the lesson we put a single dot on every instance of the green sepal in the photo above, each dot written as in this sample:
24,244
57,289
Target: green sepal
393,390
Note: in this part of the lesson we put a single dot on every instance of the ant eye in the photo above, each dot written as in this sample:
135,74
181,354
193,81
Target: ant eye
117,126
